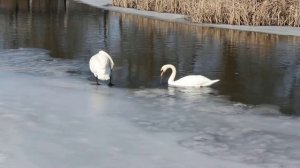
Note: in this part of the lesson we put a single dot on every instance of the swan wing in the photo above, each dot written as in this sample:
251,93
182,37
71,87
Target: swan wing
194,80
105,54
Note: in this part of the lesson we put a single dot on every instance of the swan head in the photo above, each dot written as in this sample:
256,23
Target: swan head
164,69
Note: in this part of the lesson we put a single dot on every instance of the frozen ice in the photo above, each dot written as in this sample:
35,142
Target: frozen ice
49,118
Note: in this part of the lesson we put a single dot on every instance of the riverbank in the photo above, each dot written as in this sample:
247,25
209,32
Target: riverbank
233,12
107,5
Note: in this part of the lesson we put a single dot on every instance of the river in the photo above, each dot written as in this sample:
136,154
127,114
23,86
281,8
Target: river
52,111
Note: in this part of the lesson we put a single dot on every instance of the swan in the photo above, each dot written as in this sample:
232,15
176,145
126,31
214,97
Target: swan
187,81
101,65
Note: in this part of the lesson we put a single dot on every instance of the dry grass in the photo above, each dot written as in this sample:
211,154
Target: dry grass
237,12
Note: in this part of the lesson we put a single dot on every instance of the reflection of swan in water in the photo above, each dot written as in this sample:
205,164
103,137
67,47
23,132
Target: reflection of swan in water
191,91
101,66
187,81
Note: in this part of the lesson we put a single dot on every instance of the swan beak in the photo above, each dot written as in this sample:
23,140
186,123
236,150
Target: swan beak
161,73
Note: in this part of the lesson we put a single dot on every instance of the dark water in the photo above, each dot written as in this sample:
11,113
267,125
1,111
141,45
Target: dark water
254,68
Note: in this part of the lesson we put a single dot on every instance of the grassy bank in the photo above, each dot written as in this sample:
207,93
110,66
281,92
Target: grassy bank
237,12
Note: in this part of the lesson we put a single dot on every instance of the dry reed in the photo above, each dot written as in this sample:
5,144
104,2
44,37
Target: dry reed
237,12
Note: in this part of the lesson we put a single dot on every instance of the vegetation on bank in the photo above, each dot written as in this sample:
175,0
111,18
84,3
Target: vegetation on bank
237,12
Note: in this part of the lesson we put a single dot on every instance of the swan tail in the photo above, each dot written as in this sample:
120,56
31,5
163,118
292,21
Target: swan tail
211,82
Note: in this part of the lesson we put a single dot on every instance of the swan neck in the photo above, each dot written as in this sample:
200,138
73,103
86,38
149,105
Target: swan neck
173,74
111,62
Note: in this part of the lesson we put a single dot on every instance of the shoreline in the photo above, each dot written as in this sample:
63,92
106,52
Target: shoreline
278,30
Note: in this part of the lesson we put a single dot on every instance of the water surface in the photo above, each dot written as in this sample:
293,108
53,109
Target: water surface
254,68
53,115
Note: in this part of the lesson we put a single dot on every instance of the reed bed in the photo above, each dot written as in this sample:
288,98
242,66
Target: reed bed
236,12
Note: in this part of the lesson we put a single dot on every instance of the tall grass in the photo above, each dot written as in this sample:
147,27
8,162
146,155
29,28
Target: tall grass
237,12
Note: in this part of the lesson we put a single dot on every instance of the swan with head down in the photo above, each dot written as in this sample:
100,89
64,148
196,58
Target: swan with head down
187,81
101,65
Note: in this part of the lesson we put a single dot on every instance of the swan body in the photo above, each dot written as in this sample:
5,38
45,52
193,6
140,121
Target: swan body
187,81
101,65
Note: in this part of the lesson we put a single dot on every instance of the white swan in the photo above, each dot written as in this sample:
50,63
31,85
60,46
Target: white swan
101,66
187,81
